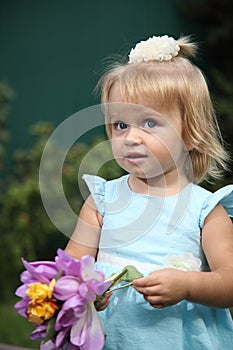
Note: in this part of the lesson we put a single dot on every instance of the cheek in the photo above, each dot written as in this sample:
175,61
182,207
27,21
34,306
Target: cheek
170,139
167,148
116,148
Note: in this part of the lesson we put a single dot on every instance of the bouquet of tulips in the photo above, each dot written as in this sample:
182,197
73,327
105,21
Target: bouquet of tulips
59,298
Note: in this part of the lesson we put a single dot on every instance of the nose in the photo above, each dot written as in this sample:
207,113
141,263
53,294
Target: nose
133,136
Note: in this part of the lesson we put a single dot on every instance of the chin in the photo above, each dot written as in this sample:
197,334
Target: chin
140,176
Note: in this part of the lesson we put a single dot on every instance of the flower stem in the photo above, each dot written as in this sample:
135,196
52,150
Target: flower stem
121,287
122,273
118,276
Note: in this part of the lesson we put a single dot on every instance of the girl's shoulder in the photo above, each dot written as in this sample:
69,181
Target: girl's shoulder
97,184
102,190
207,201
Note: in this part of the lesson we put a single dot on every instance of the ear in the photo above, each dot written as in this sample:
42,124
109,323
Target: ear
188,143
189,146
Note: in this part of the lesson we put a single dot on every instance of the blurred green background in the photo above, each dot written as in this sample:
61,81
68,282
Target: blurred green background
52,54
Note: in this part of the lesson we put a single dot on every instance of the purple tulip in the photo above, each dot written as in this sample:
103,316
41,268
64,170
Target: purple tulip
87,332
49,345
66,287
94,279
21,307
61,338
39,271
72,309
78,311
21,290
77,325
39,333
69,346
68,265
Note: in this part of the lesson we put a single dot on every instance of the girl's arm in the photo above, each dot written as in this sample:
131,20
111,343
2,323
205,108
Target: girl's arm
169,286
216,287
85,239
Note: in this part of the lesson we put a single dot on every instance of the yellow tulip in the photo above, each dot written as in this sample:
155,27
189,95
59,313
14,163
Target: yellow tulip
39,312
39,292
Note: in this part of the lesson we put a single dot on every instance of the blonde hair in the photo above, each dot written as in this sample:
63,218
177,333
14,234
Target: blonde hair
176,81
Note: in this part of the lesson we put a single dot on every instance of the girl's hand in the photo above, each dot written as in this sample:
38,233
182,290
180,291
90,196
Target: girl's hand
164,287
101,305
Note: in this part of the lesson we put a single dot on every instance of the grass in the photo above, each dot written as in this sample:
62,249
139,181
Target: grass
15,329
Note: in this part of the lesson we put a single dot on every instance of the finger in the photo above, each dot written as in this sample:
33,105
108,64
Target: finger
103,303
155,301
106,298
147,290
159,305
144,282
107,294
102,306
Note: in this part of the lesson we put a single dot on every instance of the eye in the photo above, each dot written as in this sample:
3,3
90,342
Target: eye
150,124
120,126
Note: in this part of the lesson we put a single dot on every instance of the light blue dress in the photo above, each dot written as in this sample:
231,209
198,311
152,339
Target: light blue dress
149,232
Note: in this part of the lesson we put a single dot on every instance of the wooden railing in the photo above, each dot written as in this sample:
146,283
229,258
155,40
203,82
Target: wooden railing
11,347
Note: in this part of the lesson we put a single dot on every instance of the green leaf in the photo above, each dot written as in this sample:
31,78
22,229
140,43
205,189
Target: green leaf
131,273
59,274
50,331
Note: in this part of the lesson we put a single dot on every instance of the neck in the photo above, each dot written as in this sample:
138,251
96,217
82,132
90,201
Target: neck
163,185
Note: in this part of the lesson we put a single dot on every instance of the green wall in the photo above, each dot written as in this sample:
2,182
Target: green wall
52,51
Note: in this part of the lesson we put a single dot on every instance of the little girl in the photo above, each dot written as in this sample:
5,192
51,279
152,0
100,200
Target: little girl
163,132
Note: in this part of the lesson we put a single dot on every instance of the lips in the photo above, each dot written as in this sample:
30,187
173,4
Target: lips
135,157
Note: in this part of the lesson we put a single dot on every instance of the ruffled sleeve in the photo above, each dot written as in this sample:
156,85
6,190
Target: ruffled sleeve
96,187
223,196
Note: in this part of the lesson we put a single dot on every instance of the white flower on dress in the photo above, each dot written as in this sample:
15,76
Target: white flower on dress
157,48
185,262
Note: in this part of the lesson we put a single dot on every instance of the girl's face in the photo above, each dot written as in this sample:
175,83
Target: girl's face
146,142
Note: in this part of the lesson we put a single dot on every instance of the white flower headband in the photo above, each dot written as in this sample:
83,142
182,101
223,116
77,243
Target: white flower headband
157,48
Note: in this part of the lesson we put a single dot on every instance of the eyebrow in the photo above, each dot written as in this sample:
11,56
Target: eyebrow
121,116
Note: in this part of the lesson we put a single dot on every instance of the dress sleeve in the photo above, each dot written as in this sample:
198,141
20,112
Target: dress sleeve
223,196
96,187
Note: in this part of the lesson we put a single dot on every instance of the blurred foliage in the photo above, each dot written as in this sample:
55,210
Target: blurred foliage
25,229
15,329
215,19
6,96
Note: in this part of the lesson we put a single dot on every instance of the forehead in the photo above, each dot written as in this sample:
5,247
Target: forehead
118,104
115,94
130,112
